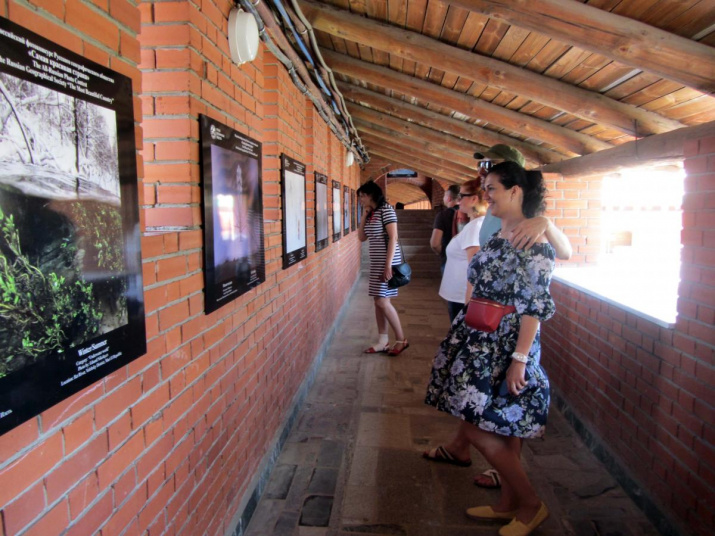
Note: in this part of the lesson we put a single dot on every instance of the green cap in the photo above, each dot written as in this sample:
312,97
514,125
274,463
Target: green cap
502,152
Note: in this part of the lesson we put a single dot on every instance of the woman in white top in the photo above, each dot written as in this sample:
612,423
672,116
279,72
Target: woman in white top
455,288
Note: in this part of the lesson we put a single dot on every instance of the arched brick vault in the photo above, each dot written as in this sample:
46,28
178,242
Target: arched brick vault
404,190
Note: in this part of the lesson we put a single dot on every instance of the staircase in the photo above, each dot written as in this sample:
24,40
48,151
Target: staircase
414,228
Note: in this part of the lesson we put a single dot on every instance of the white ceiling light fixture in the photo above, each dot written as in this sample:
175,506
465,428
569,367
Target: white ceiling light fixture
349,159
243,36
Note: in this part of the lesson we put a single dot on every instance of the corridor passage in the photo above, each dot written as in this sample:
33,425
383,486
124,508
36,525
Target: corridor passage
352,463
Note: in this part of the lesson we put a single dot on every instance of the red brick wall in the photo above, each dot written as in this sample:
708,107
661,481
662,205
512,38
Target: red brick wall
574,205
438,190
171,442
375,168
648,391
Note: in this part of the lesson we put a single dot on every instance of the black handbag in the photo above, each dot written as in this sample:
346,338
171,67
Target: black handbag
401,273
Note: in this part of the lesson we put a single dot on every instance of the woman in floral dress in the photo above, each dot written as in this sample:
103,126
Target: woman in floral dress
493,381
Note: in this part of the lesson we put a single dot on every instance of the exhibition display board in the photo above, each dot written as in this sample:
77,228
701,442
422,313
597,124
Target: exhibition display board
321,211
234,255
71,292
346,210
293,191
337,219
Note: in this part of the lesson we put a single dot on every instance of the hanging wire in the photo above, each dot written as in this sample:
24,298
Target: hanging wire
347,140
329,71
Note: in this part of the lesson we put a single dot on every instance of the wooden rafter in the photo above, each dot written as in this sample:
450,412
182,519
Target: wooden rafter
573,143
401,145
416,47
414,162
660,149
400,127
427,148
534,154
628,41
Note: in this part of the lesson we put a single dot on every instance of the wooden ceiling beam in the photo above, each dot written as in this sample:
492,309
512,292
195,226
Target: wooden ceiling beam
404,146
433,149
426,170
535,155
572,143
379,166
625,40
414,46
444,142
661,149
406,159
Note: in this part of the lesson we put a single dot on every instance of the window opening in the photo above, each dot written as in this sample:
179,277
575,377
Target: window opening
640,243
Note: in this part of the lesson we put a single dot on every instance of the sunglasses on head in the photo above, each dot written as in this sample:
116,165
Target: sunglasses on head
462,196
486,165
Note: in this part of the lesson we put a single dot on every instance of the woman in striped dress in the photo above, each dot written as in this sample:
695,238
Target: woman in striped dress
379,226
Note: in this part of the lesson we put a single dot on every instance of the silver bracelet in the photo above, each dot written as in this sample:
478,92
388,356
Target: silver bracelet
521,358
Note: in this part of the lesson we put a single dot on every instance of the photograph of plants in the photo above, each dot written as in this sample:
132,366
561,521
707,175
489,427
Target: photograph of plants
62,265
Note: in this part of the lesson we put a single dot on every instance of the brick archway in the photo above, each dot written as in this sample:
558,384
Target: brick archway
406,190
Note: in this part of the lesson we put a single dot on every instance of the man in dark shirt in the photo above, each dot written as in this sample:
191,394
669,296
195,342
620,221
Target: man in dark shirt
442,228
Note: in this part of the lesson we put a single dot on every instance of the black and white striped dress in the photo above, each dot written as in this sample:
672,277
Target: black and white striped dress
377,236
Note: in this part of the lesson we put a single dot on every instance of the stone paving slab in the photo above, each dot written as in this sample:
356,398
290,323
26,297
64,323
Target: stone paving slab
352,463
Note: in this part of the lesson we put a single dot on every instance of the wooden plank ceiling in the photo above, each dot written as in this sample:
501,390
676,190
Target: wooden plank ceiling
432,82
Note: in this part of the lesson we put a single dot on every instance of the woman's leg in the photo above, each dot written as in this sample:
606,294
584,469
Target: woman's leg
459,445
380,318
388,311
503,453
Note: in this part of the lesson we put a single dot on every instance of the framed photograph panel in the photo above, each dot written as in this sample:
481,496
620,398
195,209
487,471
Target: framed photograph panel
353,212
295,246
70,258
337,216
321,211
346,210
234,255
359,210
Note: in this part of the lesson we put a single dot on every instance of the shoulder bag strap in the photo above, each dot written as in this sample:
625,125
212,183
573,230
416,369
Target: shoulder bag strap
387,238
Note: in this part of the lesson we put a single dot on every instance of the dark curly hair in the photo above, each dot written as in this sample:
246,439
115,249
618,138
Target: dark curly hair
531,183
372,190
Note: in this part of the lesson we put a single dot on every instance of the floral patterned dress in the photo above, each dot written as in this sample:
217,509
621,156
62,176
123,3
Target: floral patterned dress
471,365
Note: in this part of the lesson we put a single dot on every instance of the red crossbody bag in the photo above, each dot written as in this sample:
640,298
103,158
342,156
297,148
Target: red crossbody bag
485,315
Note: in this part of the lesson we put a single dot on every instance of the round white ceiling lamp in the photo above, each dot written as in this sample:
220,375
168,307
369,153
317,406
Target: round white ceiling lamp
243,36
349,159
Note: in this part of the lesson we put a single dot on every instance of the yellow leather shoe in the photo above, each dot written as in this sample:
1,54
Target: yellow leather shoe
487,512
517,528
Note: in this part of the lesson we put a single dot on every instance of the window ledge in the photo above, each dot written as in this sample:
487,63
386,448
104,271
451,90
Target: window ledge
643,296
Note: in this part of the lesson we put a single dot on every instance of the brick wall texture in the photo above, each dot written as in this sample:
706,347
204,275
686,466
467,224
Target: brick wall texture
170,443
648,391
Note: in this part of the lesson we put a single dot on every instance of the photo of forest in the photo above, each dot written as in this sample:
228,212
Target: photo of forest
62,257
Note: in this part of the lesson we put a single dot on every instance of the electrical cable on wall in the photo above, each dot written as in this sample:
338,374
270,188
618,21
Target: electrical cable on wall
338,104
348,137
329,71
